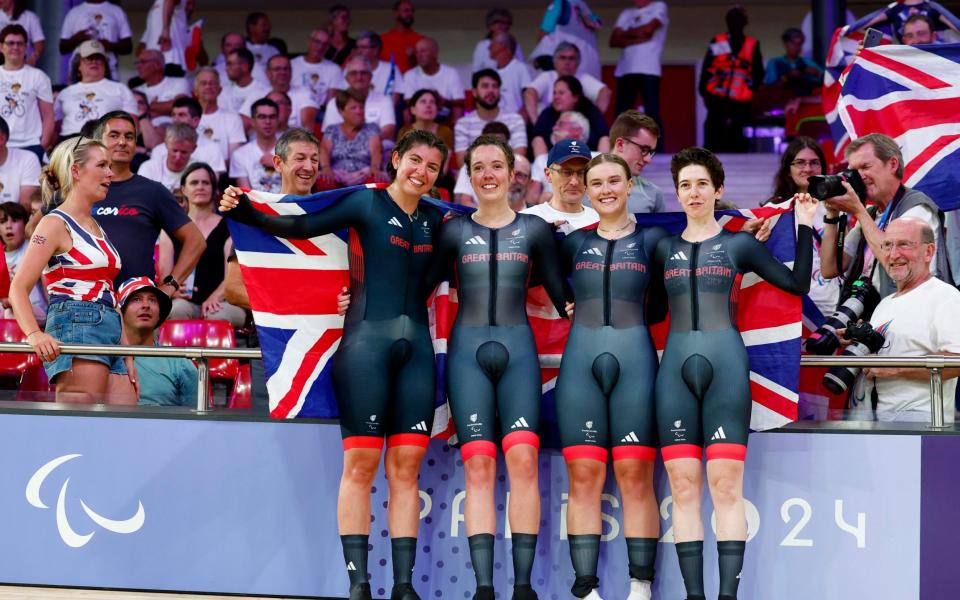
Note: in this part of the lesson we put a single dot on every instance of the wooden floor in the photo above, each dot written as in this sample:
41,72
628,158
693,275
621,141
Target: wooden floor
32,593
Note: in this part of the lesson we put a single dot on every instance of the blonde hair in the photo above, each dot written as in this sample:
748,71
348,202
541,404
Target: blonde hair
55,178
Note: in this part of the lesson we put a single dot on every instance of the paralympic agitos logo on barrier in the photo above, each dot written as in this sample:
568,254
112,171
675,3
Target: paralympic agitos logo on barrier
68,534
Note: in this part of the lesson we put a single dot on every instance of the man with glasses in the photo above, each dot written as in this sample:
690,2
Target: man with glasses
918,319
566,172
159,89
252,164
633,137
313,71
27,96
377,108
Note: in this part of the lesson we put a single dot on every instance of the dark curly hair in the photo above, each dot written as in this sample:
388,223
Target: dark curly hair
697,156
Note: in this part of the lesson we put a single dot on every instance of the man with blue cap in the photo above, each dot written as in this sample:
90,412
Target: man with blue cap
565,172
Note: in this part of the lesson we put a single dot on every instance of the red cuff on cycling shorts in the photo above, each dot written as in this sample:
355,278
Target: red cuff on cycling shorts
516,438
648,453
363,441
478,448
597,453
676,451
728,451
421,440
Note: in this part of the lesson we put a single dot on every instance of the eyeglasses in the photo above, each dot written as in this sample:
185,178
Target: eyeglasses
645,151
568,173
521,176
364,73
801,164
900,245
14,44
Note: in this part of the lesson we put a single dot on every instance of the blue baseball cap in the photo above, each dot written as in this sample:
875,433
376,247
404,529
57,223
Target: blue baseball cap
566,149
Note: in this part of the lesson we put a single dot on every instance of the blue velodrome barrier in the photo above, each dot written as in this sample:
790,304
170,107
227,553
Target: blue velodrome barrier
248,506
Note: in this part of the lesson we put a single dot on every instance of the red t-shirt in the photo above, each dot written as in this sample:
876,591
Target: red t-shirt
400,44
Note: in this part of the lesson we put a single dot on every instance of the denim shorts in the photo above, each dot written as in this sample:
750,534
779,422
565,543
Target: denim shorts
81,322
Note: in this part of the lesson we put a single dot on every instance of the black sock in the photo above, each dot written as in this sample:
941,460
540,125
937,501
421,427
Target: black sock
641,555
404,552
691,567
481,555
355,557
524,551
584,554
731,562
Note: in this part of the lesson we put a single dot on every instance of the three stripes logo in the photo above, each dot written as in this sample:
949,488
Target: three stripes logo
679,256
421,426
351,567
521,422
593,251
476,241
631,437
719,434
395,222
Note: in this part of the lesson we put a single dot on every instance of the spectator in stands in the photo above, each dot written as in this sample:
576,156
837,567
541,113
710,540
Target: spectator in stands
917,30
137,209
279,73
314,72
180,141
167,31
920,318
188,111
19,171
228,43
399,42
27,96
424,106
146,132
350,152
77,262
898,13
258,41
430,74
566,171
341,44
732,71
93,94
387,79
205,299
792,72
633,137
514,74
520,184
878,160
218,125
285,106
242,85
252,164
566,61
164,380
803,159
377,107
573,22
97,20
571,125
13,221
160,90
15,12
487,100
499,21
568,97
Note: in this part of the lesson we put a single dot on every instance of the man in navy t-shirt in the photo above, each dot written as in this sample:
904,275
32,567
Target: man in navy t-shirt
136,209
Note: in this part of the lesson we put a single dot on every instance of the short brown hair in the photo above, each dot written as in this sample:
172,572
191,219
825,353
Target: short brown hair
344,96
486,139
884,147
629,122
697,156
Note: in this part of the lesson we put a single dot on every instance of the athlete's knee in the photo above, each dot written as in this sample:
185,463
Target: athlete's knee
635,479
586,477
361,469
480,471
726,489
685,488
521,462
404,470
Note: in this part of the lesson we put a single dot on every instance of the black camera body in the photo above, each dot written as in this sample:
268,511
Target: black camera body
866,340
823,187
858,304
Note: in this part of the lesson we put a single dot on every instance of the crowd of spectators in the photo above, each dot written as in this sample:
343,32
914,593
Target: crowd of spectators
187,126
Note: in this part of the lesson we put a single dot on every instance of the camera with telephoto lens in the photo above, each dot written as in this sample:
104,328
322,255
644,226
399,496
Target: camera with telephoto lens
823,187
859,304
866,340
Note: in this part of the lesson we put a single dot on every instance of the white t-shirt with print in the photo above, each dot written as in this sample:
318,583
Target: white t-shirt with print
544,86
643,58
222,127
245,162
167,89
233,96
446,82
262,52
156,169
378,109
20,94
82,102
381,82
207,151
470,126
574,221
513,78
21,169
104,21
319,77
919,322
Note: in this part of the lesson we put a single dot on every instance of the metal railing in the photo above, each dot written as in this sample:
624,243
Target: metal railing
934,363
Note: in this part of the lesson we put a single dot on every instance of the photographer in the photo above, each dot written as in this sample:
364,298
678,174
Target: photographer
878,161
919,318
